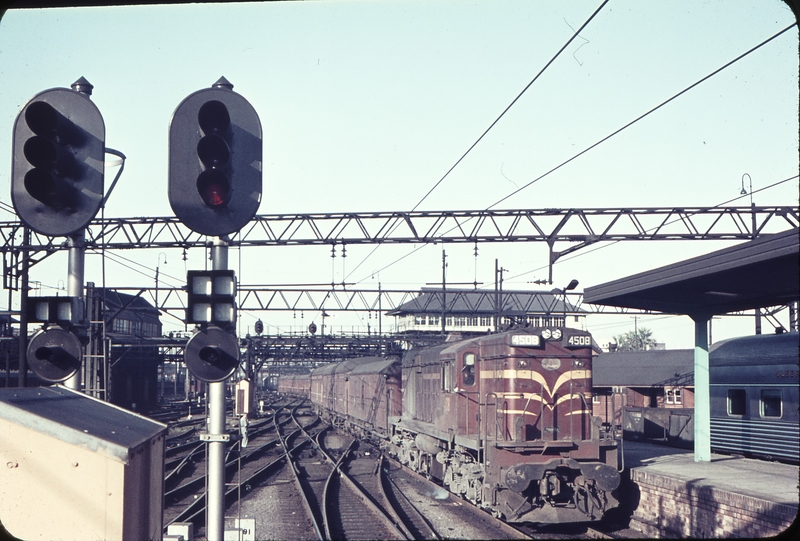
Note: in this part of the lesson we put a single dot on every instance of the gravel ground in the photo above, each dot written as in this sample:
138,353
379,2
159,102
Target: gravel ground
451,517
277,508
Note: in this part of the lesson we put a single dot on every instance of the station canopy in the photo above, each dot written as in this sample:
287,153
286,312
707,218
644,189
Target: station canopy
755,274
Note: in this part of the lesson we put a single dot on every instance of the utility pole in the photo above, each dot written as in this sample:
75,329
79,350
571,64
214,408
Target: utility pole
444,294
498,294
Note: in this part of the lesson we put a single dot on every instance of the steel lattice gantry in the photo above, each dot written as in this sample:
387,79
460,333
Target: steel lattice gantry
578,227
568,230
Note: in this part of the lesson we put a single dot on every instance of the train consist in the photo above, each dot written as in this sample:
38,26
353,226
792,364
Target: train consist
504,420
754,389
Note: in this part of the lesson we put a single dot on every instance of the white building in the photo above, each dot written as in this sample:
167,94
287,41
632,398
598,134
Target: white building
480,311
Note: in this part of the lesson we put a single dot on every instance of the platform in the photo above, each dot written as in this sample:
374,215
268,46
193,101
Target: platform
729,496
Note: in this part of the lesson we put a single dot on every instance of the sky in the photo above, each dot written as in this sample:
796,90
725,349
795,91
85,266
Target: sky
366,105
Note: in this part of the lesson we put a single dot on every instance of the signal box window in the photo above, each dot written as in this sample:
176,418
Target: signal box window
468,372
770,402
737,401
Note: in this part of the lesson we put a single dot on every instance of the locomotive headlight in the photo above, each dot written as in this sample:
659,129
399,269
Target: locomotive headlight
556,334
546,334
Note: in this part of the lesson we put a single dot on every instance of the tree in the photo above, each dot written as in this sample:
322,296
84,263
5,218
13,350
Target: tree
637,340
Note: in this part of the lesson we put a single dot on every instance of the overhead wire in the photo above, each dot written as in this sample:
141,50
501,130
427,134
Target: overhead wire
112,257
492,125
637,119
611,243
603,140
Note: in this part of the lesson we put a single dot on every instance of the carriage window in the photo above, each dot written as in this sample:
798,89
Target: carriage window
469,369
737,401
770,402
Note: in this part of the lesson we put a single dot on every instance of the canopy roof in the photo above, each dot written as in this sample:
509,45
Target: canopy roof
755,274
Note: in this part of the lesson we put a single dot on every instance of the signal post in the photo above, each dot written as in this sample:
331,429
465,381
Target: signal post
215,159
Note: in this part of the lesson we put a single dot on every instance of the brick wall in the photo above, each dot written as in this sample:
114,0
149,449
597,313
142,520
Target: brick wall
674,508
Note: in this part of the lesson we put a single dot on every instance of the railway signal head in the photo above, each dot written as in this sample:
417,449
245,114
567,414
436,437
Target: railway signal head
212,354
58,160
215,161
54,354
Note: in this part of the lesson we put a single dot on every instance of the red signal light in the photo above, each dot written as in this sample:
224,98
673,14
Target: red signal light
214,188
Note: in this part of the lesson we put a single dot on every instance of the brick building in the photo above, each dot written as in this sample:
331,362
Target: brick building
650,394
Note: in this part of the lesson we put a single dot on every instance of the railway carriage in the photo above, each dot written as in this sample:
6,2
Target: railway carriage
294,385
361,395
754,389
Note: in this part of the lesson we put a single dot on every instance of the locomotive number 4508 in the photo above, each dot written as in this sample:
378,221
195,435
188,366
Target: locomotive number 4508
579,341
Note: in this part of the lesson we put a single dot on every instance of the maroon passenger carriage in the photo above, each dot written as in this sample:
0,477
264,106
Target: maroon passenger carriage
360,395
506,421
294,385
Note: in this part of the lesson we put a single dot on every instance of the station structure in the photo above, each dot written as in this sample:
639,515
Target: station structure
755,274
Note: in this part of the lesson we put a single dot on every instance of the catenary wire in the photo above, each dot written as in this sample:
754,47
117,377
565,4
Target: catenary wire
632,122
611,243
595,145
492,125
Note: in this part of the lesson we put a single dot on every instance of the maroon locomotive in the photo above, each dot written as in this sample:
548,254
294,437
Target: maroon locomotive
504,420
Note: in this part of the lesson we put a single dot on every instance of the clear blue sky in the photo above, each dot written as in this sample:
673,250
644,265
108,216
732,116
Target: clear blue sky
366,104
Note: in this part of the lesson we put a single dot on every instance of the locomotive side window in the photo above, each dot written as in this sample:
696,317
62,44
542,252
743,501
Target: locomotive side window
737,401
468,372
447,377
770,402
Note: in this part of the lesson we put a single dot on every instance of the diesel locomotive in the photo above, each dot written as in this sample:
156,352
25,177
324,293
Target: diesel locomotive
503,420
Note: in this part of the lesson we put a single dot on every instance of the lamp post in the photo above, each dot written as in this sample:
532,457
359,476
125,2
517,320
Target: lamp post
324,315
563,291
158,263
752,204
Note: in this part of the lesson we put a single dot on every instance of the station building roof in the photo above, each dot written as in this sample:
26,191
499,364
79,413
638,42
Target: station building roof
654,368
754,274
482,302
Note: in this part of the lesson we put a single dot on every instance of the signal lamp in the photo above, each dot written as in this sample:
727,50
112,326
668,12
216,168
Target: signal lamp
54,354
211,297
215,155
60,310
58,160
212,354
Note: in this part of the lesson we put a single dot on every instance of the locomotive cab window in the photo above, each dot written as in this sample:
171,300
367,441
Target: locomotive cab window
737,401
468,372
770,402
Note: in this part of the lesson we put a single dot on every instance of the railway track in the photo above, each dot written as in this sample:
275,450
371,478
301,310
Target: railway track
358,510
337,488
186,481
